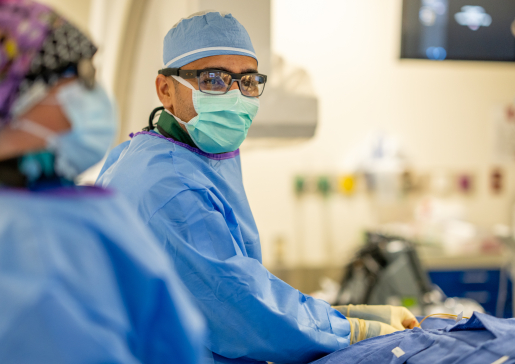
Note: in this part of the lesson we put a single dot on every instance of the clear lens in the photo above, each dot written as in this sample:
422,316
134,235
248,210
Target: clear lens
218,82
252,85
214,82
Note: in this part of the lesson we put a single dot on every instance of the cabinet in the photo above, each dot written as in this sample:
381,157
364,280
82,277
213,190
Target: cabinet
481,285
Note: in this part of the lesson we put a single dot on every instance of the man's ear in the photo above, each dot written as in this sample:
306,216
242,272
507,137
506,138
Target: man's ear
165,91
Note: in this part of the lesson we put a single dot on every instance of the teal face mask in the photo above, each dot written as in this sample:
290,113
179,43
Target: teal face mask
222,121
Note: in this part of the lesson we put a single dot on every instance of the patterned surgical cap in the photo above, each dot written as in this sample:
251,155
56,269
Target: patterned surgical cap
36,46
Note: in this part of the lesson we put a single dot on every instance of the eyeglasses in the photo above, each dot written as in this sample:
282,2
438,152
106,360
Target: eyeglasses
217,82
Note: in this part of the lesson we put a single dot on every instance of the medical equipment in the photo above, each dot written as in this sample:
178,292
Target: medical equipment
385,271
443,315
479,30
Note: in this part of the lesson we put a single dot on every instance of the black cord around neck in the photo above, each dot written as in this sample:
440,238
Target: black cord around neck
151,118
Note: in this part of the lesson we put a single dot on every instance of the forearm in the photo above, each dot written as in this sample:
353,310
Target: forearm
249,312
255,315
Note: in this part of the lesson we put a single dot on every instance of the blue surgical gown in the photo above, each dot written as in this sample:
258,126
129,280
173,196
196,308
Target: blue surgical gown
82,280
196,205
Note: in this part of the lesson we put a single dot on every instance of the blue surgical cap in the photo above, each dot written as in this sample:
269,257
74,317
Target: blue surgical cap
205,34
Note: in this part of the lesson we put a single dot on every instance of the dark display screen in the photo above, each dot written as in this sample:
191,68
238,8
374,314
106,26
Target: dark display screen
482,30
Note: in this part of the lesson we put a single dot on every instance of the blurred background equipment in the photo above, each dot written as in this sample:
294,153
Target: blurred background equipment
386,271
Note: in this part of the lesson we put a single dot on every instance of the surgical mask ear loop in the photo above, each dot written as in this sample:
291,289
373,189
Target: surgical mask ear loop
38,130
183,82
161,108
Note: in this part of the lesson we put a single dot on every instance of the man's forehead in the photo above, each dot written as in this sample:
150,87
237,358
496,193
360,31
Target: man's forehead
229,62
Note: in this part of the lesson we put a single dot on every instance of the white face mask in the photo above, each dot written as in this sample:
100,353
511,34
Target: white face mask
93,126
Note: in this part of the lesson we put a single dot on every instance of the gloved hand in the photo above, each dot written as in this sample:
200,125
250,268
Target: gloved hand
399,318
365,329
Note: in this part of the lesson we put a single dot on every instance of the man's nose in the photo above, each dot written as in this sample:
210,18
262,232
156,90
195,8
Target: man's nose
234,86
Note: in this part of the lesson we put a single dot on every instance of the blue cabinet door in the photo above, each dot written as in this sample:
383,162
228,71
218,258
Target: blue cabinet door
481,285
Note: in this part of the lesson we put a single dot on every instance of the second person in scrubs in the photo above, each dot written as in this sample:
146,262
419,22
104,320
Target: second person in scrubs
82,280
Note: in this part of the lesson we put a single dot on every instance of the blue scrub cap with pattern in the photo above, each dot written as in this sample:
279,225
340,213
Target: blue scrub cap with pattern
204,34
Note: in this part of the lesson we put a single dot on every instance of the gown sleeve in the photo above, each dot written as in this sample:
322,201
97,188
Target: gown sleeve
72,291
249,312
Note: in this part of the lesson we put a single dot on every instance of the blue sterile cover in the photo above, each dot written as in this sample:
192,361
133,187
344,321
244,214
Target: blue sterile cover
480,339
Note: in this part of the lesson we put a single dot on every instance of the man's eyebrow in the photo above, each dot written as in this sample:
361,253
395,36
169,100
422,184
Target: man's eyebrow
248,70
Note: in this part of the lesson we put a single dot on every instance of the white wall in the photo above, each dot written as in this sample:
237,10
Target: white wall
159,17
76,11
440,111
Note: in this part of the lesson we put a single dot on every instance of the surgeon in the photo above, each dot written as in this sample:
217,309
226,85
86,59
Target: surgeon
183,177
82,280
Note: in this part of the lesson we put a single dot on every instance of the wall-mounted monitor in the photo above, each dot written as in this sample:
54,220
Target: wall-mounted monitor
478,30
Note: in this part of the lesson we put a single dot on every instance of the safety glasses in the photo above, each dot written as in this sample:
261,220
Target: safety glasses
217,82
